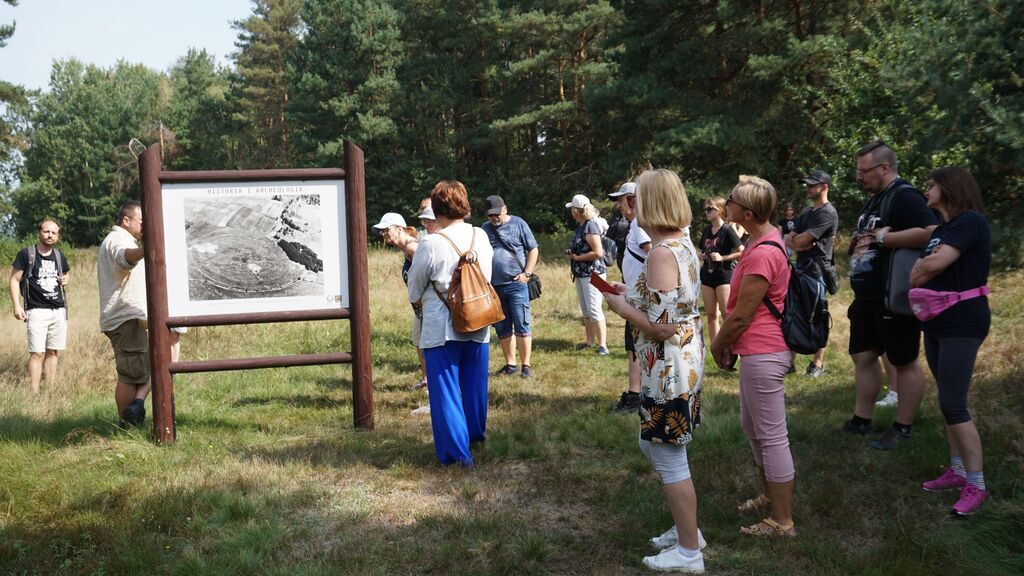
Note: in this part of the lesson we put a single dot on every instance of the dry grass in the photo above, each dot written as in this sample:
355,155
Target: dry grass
269,477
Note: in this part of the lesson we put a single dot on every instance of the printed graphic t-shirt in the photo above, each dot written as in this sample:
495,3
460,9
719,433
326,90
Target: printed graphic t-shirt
868,263
43,287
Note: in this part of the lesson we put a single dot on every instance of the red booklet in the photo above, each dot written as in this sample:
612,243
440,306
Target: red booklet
600,284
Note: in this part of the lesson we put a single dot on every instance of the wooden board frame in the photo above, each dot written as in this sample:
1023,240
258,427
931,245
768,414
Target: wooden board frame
151,179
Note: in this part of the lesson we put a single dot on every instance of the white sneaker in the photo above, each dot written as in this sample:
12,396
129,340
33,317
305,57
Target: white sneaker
422,410
671,538
671,560
889,400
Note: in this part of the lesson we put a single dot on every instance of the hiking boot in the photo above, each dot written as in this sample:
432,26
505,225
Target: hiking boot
890,400
527,372
135,413
862,429
949,480
971,498
507,370
628,402
671,538
890,440
814,371
602,351
672,560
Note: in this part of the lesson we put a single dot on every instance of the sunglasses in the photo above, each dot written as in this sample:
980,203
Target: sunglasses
729,200
710,209
383,232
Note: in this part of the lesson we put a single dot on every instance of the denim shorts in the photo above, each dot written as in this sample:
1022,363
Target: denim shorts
515,302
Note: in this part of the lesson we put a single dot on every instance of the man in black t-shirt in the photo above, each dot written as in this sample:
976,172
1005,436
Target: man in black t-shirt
875,330
814,231
38,275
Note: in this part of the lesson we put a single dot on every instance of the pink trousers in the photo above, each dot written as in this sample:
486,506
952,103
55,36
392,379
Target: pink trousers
763,412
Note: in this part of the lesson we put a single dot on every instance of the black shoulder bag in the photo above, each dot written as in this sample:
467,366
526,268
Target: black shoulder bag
532,280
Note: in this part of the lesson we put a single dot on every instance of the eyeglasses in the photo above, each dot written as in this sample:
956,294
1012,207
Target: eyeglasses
729,200
866,170
384,232
710,209
494,216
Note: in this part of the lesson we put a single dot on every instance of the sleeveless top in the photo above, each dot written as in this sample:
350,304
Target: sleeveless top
671,371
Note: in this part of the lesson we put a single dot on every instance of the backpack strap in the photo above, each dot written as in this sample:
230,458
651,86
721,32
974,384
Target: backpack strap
768,303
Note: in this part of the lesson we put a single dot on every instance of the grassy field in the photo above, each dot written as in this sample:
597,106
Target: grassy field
269,477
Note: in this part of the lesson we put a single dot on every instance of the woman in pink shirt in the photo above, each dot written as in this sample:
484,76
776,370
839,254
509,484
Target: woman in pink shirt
750,331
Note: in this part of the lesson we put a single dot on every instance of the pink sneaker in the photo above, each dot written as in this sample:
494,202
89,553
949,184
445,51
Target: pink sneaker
970,500
948,481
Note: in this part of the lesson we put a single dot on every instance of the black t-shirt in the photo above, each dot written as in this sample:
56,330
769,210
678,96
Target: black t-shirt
821,223
969,233
43,289
787,225
725,242
869,264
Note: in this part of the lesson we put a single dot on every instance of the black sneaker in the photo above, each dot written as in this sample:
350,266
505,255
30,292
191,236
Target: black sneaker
861,429
507,370
527,372
628,402
135,413
890,440
813,370
792,370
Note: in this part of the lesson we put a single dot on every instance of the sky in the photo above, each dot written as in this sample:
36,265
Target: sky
101,32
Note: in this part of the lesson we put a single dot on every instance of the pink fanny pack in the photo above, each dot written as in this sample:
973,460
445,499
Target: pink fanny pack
928,304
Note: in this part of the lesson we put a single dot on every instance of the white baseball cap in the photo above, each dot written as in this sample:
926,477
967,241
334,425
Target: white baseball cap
426,214
390,219
579,202
627,189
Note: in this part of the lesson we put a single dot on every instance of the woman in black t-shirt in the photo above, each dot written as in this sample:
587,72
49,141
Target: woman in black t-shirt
787,223
957,259
719,248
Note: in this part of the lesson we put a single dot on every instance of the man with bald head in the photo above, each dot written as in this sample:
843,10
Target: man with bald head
875,330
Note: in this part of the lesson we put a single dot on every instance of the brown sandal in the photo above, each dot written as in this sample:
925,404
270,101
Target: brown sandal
769,528
753,504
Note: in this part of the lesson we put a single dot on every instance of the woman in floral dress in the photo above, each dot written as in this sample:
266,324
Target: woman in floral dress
663,309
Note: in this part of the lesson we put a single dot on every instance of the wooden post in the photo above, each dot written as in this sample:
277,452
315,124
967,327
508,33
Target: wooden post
358,282
156,294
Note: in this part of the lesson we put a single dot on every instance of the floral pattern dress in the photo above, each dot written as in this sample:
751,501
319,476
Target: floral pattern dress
671,371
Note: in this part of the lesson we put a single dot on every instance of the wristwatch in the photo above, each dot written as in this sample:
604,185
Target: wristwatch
881,240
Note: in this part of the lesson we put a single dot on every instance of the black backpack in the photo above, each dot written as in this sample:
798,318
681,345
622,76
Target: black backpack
805,320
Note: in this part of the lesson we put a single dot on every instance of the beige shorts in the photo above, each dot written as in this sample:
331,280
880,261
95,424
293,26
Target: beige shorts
47,329
131,352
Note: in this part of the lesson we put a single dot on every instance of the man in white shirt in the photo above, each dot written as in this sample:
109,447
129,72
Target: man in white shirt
122,286
638,244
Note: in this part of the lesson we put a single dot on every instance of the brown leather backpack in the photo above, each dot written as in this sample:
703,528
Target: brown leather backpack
472,301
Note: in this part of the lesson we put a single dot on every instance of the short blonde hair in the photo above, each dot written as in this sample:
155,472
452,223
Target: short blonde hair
589,212
661,201
757,195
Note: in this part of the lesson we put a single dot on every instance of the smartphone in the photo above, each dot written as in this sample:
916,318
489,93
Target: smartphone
599,283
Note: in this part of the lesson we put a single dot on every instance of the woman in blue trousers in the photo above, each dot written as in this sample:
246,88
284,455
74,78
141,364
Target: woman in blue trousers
456,361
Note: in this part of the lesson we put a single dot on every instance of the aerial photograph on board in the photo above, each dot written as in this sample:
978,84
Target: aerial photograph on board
254,246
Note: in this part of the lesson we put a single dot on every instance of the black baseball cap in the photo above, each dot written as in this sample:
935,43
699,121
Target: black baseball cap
493,205
816,177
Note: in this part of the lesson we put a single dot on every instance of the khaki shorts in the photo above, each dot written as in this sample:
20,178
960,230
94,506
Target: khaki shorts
47,329
131,352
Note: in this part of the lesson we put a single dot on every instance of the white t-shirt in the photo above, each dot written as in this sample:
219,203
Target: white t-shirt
631,267
434,263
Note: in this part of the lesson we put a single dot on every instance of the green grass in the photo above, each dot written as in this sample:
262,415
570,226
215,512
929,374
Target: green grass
268,476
